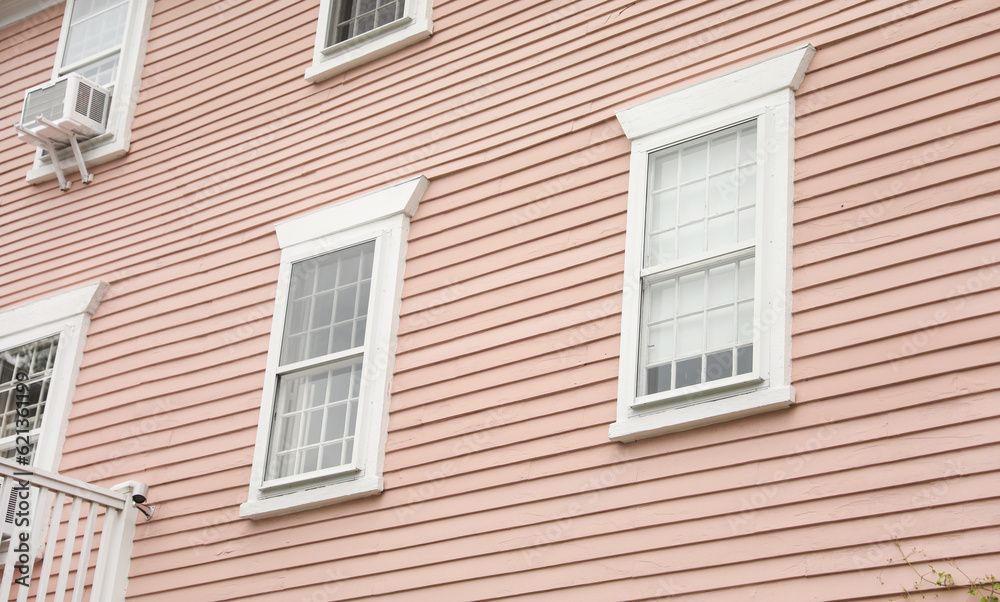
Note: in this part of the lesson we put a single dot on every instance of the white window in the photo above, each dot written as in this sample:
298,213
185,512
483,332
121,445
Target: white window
324,411
104,41
41,346
705,314
353,32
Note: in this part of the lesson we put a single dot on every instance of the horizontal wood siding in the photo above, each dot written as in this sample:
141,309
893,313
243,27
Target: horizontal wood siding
500,479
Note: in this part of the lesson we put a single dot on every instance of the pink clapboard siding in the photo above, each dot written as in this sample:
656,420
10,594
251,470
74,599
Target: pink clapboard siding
500,479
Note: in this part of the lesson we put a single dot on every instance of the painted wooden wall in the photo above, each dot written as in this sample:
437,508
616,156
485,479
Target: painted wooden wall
500,479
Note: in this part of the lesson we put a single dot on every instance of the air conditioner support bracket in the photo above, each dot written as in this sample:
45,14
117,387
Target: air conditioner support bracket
49,145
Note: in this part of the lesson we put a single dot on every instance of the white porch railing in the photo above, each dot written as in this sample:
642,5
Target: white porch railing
35,505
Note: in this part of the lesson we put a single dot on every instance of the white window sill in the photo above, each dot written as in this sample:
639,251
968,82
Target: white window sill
377,43
315,497
672,419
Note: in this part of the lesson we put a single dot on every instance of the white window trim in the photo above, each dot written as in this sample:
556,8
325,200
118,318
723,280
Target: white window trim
763,91
415,25
382,216
68,315
114,143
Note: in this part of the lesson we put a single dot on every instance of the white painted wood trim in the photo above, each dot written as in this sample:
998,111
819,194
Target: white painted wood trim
399,198
672,420
781,72
19,10
50,310
74,487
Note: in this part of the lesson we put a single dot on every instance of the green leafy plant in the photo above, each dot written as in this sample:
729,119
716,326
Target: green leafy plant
987,588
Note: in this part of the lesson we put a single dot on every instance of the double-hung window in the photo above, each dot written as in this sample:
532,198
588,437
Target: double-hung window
41,347
353,32
105,42
705,314
324,411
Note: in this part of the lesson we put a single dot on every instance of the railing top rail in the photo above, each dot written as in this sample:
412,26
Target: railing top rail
67,485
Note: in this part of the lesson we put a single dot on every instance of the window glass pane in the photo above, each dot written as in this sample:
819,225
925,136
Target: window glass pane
723,151
663,211
664,168
693,160
718,365
722,192
691,293
722,285
744,359
661,342
658,379
692,201
690,335
689,372
720,327
315,412
328,304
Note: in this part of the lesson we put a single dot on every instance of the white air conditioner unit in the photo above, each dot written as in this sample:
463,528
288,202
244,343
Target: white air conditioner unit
70,105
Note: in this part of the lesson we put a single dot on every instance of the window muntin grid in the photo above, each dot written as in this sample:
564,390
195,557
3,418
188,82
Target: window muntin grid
352,18
316,419
94,39
34,363
702,195
699,255
314,426
327,304
698,327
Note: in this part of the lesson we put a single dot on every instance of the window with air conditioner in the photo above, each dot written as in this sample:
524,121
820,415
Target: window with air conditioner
104,43
706,305
353,32
324,410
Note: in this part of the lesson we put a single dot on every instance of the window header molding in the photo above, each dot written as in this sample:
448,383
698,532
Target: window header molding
785,71
400,198
50,310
